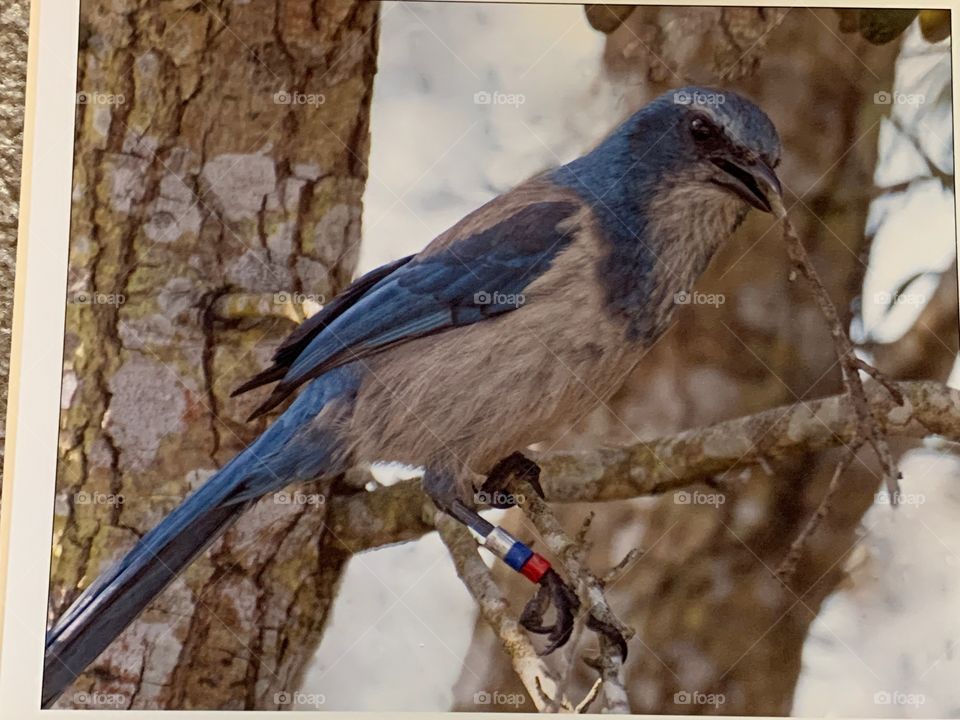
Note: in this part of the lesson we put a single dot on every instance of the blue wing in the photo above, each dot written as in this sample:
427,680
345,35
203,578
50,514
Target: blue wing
466,280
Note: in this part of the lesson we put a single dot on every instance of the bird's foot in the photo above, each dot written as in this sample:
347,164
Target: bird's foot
552,591
495,490
610,631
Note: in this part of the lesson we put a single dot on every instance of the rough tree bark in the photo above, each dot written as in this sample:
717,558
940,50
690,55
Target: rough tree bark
712,620
14,18
220,164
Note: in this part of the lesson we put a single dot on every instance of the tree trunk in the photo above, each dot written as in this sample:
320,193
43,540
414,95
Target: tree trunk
14,19
220,163
717,633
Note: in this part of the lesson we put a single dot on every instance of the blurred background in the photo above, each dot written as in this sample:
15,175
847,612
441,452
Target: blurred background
438,152
237,165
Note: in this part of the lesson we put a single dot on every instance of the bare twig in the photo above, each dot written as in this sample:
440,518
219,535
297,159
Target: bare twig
569,554
888,384
788,566
533,673
617,571
570,657
615,699
868,429
592,694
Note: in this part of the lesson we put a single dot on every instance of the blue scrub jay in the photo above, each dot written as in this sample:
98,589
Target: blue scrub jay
520,318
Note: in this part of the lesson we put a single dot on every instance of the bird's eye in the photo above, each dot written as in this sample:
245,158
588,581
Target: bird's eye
702,129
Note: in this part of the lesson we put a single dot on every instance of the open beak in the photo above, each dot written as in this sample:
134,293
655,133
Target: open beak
755,181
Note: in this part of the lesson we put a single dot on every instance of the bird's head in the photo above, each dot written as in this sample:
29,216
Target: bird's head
667,187
705,138
695,143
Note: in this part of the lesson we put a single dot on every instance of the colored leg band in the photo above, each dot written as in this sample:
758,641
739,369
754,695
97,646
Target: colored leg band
515,554
502,544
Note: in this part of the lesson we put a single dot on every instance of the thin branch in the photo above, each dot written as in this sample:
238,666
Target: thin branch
868,428
618,570
569,555
610,664
533,673
590,697
788,566
366,520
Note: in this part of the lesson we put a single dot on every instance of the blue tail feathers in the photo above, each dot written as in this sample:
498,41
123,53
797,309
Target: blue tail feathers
300,445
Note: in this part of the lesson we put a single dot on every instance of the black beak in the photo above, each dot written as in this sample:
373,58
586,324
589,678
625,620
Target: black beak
754,181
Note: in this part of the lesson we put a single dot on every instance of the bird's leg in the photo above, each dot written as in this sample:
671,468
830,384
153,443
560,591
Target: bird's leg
505,476
514,553
535,568
495,489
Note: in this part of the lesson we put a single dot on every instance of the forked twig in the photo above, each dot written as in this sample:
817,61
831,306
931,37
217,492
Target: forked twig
536,677
570,556
867,429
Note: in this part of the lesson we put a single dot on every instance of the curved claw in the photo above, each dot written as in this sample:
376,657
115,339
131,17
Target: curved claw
532,616
565,602
610,632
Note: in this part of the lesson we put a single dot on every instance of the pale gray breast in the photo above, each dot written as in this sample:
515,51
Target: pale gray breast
480,392
692,221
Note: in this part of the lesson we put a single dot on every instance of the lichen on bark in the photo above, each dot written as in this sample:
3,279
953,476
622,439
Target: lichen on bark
220,152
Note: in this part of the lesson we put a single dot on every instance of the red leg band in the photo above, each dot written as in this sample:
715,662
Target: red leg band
535,568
